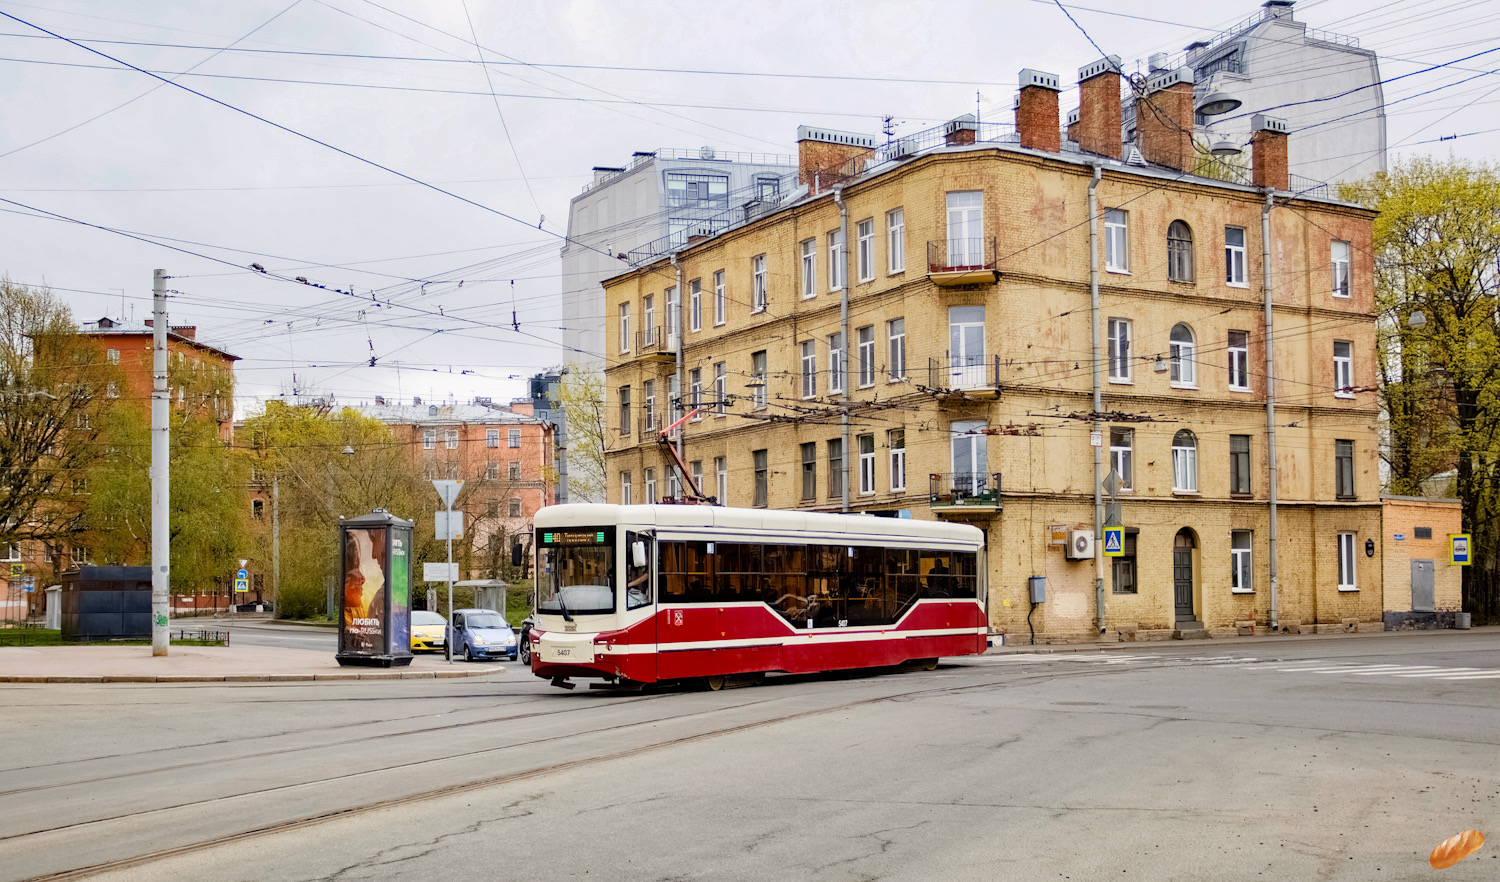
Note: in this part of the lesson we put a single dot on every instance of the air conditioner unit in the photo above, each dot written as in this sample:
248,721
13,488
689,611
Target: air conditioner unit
1080,544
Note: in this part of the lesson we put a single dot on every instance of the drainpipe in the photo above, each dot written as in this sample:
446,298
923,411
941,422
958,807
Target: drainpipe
1098,401
681,339
1265,261
838,198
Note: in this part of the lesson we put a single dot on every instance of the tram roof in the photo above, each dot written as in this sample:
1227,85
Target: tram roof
752,519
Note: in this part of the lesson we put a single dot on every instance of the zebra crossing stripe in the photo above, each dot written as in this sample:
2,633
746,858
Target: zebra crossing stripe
1486,675
1352,669
1441,672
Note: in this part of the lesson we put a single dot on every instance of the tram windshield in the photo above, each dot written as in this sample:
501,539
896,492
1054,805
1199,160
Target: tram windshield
576,571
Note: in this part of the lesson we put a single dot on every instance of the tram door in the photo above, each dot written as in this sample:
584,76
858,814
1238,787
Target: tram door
642,582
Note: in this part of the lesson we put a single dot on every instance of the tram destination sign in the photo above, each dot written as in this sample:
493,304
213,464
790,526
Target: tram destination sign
600,536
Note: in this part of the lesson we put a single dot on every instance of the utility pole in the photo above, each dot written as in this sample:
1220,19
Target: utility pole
161,536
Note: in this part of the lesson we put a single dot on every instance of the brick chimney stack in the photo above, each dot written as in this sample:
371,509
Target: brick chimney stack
1073,125
1164,119
1268,166
1036,111
1099,107
960,131
826,157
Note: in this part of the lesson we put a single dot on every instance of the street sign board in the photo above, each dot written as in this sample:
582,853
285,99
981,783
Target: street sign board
1114,541
17,570
241,582
444,520
1111,483
29,584
1458,549
448,491
440,572
1111,514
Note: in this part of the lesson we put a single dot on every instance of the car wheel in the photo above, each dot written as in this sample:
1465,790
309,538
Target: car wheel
525,651
468,654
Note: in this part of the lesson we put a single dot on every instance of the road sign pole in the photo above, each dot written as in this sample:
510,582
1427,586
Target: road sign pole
448,644
161,458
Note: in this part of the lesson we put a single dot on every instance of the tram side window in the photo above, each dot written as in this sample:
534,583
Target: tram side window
738,567
786,581
637,579
903,574
867,598
686,572
825,566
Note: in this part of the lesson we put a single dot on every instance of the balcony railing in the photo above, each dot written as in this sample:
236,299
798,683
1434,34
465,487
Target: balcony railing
650,422
962,261
972,489
964,372
655,341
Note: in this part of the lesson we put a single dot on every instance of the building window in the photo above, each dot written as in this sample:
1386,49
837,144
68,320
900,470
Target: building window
809,268
1241,578
112,356
721,389
865,338
1184,462
429,439
758,378
758,265
452,471
836,363
895,333
650,475
695,305
1343,369
696,468
674,402
1122,456
809,369
1239,465
513,436
762,491
865,245
1339,256
1343,471
257,510
492,436
492,508
674,316
450,439
112,390
966,228
624,413
695,392
866,463
1119,350
810,470
624,327
895,227
719,297
970,452
836,268
648,319
1122,568
836,468
515,471
492,471
648,389
1179,252
721,479
966,367
674,486
625,488
767,189
1234,256
1183,352
1239,361
515,507
1346,562
1116,241
896,440
684,188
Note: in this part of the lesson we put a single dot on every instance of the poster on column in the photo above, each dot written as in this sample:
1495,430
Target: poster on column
364,591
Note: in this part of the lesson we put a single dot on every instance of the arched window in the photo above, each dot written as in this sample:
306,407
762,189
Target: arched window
1179,252
1185,462
1183,351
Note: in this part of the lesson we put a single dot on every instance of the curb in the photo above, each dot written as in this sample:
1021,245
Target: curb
1219,643
342,677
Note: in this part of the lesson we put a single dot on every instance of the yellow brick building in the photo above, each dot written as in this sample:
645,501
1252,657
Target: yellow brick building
969,362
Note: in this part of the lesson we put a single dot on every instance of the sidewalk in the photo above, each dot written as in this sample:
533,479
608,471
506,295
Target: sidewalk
207,664
1224,643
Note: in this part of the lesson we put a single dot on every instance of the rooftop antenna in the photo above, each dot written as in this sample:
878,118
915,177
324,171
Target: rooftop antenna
514,323
888,126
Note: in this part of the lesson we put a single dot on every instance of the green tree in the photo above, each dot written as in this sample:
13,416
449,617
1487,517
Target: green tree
582,400
1437,255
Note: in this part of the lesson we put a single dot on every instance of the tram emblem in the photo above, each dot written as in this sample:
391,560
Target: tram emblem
677,617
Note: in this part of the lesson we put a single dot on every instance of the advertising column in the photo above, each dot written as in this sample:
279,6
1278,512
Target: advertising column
375,619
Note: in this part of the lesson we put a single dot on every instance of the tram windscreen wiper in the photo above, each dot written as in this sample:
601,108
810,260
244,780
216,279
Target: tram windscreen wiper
562,606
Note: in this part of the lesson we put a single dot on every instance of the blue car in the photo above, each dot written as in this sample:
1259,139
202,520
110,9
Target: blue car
481,634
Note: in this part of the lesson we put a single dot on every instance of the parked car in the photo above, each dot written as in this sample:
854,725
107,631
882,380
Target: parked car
524,641
482,633
427,631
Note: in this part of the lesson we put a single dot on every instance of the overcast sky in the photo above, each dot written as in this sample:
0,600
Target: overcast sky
571,85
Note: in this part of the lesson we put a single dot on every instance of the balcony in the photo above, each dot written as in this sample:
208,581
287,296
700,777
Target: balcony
975,491
964,373
952,262
655,344
650,424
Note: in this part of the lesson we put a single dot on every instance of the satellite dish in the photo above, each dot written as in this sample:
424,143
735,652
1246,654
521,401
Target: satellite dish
705,152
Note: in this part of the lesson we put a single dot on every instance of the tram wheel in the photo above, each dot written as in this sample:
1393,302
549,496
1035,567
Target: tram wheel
921,664
713,684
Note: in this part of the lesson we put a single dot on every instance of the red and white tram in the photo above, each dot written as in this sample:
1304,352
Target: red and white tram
645,593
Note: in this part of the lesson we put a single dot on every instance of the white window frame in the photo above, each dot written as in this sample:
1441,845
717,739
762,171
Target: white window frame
1242,561
625,340
1343,369
866,463
836,268
836,364
1338,255
1120,362
759,365
895,225
865,340
809,268
492,438
1235,270
650,478
1183,356
895,335
718,298
1185,466
648,403
864,233
721,479
758,267
965,227
696,467
1122,455
1347,569
429,439
513,470
625,495
695,305
721,389
450,439
13,550
648,318
1239,361
695,392
112,356
809,369
674,316
513,438
896,440
1116,240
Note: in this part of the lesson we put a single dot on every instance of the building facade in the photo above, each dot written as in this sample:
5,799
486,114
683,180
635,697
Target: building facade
961,384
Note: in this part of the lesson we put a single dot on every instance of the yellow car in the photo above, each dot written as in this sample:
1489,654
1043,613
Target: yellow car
428,631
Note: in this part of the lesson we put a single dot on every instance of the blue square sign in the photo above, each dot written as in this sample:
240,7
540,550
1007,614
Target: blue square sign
1114,541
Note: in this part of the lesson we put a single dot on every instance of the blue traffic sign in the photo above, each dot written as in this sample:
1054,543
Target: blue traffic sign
1114,541
242,581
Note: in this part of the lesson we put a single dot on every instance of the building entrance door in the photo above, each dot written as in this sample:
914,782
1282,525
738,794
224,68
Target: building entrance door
1182,574
1421,586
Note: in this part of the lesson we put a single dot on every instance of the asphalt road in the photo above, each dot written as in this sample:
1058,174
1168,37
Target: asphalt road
1331,759
260,632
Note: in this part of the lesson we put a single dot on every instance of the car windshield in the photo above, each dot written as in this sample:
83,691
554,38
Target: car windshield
577,572
424,617
485,620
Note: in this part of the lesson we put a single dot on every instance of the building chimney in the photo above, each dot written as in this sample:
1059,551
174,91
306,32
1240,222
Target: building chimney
1036,111
826,157
964,130
188,331
1157,63
1099,107
1164,119
1268,166
1073,125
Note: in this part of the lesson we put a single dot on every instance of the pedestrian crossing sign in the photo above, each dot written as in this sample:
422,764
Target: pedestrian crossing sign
1114,541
